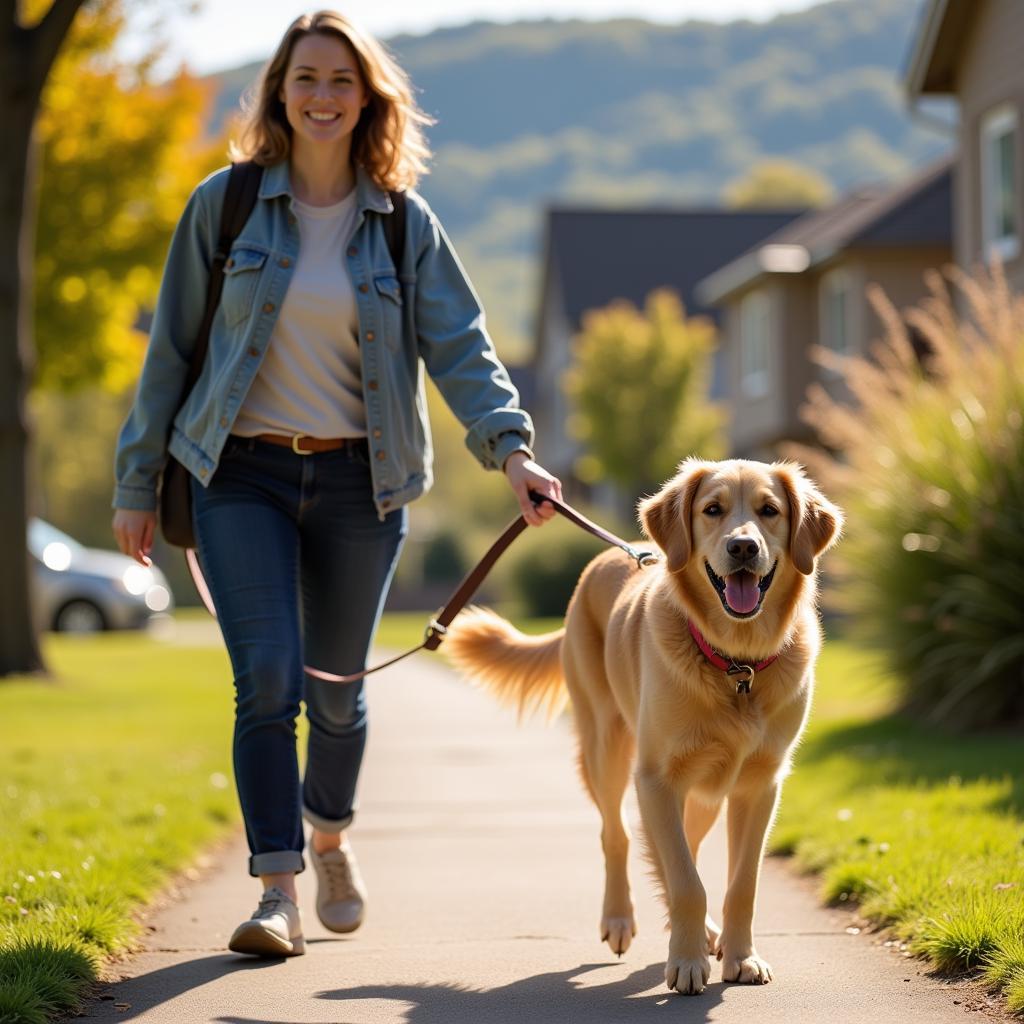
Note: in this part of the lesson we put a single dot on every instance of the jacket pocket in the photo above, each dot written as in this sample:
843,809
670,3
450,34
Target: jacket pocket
241,276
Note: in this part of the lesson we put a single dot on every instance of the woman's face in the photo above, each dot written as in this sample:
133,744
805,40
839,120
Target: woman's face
323,90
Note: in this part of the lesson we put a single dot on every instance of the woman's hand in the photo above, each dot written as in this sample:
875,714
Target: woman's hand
134,531
525,475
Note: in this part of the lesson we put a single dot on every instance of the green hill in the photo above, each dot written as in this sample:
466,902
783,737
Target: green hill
628,112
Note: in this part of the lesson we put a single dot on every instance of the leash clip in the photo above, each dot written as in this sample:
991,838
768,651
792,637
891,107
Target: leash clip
742,685
434,634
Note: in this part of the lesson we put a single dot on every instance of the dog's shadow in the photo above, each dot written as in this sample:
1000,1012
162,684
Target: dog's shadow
569,996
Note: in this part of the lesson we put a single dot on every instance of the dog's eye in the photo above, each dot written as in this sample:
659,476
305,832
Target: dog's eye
714,509
769,511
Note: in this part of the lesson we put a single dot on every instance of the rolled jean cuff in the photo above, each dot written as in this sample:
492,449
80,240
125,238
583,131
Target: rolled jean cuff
279,862
323,824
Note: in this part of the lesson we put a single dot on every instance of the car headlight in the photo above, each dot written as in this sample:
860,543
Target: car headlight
56,556
158,598
137,579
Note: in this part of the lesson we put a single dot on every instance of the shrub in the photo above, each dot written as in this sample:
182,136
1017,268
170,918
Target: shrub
929,464
544,570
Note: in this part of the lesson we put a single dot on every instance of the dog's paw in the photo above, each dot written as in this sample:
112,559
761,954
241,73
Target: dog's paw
618,932
687,975
749,969
714,934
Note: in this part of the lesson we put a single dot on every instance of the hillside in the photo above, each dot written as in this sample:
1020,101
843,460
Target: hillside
627,112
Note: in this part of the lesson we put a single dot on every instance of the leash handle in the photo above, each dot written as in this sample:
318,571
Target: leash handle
642,558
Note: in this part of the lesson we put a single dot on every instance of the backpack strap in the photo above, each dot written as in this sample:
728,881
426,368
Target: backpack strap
394,228
239,200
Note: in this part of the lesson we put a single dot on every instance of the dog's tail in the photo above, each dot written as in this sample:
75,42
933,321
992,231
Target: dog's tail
522,671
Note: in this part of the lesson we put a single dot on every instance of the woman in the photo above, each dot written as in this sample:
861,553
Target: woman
306,433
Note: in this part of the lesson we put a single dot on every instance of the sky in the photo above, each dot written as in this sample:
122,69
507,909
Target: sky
227,33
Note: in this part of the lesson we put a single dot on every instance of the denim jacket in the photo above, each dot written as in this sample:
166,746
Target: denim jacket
423,313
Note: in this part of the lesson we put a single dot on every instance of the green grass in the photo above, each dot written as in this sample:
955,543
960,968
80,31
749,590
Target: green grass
113,774
116,773
923,830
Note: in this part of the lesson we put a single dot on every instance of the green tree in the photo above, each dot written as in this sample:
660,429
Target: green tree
639,387
778,182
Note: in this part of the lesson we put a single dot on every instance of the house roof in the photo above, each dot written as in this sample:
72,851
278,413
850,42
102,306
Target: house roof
916,214
595,256
931,68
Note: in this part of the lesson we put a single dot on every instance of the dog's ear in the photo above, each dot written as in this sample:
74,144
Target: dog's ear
814,522
666,517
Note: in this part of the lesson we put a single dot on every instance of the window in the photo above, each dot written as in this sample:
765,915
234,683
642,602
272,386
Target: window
755,345
999,193
836,312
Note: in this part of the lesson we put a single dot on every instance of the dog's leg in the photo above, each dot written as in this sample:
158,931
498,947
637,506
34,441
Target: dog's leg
606,753
698,817
688,967
749,815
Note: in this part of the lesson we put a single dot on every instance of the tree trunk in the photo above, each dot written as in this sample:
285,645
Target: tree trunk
25,59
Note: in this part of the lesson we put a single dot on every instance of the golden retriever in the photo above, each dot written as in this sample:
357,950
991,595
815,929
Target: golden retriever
740,541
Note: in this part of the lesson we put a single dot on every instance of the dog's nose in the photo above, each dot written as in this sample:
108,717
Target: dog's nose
743,548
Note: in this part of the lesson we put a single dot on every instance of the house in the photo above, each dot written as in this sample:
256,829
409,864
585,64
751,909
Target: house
596,256
970,50
805,285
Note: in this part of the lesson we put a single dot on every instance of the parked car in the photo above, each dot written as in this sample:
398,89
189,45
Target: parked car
84,590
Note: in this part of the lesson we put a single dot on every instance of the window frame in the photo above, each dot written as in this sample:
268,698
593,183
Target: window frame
756,382
996,124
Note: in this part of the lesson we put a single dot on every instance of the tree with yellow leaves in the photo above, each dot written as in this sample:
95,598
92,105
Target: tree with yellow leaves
639,386
116,167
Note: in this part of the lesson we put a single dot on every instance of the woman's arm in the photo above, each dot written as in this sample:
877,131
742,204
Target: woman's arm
142,444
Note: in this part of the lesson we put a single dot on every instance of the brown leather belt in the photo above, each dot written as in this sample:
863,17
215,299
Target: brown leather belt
303,444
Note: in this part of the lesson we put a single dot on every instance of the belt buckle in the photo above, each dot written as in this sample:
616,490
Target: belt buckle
297,449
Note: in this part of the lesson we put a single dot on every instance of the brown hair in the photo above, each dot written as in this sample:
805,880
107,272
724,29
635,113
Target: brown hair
388,141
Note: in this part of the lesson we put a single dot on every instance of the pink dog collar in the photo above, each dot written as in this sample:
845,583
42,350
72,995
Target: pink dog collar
729,665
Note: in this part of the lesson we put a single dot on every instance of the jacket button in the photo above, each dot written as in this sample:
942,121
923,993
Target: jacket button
230,263
377,433
203,471
381,456
253,350
372,385
223,421
353,251
370,335
385,504
268,307
364,287
284,262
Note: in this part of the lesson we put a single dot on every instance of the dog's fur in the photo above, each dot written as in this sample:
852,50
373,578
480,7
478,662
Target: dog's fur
641,690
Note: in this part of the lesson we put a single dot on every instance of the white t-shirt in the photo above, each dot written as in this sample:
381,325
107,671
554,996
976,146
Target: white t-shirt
310,380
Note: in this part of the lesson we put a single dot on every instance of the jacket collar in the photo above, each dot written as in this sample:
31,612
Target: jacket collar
277,182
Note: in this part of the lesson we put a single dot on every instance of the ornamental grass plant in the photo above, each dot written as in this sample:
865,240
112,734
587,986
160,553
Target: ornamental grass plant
928,462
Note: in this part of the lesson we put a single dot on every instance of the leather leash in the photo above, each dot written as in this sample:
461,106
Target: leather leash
438,626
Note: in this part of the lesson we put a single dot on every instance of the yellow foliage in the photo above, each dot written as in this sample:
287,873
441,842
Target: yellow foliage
119,157
778,183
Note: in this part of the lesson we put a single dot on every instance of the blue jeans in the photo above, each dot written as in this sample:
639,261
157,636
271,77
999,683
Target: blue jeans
298,564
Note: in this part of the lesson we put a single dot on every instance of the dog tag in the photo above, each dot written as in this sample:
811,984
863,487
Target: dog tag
742,685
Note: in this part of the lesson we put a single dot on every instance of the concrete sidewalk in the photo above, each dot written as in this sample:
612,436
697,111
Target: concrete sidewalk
483,861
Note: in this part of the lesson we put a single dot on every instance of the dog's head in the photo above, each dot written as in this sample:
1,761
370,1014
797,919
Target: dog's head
740,537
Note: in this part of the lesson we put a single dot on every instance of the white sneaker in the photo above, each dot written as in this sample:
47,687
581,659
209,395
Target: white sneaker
274,930
341,892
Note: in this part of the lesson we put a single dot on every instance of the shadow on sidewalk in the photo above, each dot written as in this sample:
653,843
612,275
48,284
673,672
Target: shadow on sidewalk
542,998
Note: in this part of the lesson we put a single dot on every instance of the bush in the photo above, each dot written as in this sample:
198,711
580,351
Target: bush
930,468
543,571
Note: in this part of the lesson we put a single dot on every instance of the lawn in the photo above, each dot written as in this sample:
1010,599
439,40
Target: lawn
924,831
116,773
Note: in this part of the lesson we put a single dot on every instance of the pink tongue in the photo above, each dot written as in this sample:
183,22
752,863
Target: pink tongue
741,592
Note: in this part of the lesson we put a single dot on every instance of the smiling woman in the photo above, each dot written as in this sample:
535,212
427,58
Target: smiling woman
306,431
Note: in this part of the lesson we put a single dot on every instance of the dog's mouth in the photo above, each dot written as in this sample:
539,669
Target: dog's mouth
741,593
